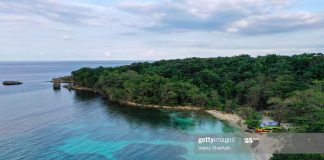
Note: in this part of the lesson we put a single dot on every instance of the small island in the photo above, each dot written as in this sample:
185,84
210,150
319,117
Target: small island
10,83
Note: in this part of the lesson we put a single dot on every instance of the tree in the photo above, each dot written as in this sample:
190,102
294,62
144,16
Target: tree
305,110
224,82
297,157
257,97
199,100
282,86
214,100
229,89
279,108
253,119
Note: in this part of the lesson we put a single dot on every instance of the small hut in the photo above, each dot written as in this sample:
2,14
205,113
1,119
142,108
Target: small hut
268,126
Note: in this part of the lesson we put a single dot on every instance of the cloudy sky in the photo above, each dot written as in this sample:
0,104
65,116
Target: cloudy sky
157,29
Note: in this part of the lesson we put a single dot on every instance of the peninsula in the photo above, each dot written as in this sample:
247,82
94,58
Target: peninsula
290,87
285,85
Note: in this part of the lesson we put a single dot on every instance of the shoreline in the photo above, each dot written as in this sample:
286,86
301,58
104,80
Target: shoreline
231,119
129,103
133,104
237,122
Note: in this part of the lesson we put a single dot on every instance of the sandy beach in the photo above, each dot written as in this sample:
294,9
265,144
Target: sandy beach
232,119
262,151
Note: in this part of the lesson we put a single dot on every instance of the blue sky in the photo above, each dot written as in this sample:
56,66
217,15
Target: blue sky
152,29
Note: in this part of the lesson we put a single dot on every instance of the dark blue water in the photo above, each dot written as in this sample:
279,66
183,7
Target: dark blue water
37,122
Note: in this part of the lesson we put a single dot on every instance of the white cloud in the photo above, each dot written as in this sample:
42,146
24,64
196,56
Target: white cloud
277,23
107,54
205,15
66,37
41,53
153,54
149,29
243,16
61,11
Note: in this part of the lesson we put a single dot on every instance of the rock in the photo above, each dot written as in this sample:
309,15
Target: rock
69,87
249,130
56,85
12,83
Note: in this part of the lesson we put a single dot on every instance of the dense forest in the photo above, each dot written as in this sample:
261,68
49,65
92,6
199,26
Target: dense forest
291,86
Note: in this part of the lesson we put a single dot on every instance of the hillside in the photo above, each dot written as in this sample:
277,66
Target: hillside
291,86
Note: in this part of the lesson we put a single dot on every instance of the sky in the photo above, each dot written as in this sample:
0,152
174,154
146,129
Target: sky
157,29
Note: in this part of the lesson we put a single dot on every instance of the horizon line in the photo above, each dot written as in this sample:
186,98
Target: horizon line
98,60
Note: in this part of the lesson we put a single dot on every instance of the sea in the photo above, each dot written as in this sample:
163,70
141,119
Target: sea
39,123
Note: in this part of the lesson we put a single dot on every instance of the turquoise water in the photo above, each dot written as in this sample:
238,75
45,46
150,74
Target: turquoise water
40,123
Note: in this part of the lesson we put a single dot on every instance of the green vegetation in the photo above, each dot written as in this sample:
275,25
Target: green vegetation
291,86
298,157
253,120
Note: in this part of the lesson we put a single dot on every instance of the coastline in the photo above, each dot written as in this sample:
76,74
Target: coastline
129,103
237,122
232,119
